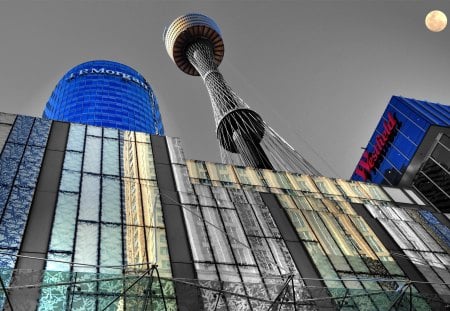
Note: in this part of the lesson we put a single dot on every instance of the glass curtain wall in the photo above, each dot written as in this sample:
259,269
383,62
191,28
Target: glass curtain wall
109,224
350,258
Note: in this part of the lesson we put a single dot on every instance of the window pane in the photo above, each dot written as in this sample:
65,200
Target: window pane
63,230
238,239
76,137
175,150
72,161
89,200
110,163
92,155
201,250
111,248
218,238
111,211
70,181
94,130
397,195
86,247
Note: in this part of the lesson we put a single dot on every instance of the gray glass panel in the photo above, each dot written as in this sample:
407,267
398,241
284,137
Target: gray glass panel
396,234
63,230
429,274
7,118
198,239
204,195
183,183
92,155
206,271
248,219
414,196
111,206
415,240
397,195
4,132
222,198
217,235
76,137
110,157
264,258
89,199
86,247
175,150
424,236
282,256
238,240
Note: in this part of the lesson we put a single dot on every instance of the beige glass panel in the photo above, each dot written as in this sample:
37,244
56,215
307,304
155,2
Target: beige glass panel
151,204
221,172
344,242
326,185
301,225
302,202
271,179
158,250
248,176
302,182
326,241
286,201
352,189
197,169
145,161
317,204
374,192
369,236
346,207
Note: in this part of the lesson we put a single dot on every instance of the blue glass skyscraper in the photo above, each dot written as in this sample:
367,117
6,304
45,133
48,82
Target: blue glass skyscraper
108,94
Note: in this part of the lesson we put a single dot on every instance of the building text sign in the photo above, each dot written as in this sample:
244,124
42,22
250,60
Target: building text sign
370,160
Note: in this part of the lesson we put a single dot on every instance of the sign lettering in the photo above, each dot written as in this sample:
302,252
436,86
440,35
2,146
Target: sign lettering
370,159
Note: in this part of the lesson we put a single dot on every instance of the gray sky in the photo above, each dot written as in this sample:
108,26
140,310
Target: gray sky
319,72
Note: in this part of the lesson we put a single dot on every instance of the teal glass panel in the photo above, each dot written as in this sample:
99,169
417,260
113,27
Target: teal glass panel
90,198
324,266
86,247
111,248
110,165
63,230
111,206
76,137
92,155
54,297
70,181
72,161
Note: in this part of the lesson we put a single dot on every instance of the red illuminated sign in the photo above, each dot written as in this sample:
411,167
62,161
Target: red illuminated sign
369,159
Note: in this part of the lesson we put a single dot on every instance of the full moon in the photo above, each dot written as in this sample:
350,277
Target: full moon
436,21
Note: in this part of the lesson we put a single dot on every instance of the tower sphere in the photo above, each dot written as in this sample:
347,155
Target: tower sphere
187,29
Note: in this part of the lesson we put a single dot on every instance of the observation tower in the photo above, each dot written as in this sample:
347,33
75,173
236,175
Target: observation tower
194,43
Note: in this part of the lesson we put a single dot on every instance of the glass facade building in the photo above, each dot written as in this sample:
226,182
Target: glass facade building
98,218
411,148
105,93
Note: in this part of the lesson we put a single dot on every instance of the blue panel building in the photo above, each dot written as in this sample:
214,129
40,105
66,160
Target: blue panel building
108,94
411,148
